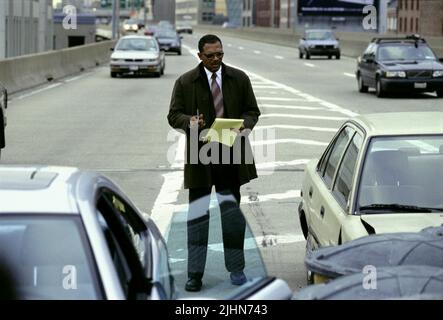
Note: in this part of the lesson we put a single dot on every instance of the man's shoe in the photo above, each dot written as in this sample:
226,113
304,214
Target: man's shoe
193,284
238,278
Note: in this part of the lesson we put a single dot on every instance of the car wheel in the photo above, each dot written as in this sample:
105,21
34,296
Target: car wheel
329,57
113,74
440,93
179,52
308,55
162,72
361,86
379,89
337,57
300,55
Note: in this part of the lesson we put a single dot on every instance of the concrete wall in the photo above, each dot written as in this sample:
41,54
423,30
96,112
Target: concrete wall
352,43
31,70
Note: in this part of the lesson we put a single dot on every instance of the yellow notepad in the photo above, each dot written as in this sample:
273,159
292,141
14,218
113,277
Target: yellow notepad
221,131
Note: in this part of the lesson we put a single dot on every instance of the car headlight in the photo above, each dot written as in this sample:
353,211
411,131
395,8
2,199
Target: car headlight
438,73
153,60
126,27
395,74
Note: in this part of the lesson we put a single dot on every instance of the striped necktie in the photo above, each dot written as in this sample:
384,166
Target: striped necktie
217,96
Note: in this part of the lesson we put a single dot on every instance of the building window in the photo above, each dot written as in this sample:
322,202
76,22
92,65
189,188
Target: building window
412,25
416,25
412,4
406,25
400,4
418,4
401,25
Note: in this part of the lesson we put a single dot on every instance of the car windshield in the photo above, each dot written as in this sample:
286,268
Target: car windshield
48,256
190,218
320,35
402,174
405,52
136,45
131,22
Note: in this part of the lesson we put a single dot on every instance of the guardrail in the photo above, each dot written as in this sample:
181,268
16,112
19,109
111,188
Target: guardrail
24,72
352,43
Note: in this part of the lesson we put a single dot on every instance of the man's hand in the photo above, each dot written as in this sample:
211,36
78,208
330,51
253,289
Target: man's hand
238,131
197,122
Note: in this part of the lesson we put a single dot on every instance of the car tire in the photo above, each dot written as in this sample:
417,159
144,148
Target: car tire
300,55
338,57
113,74
179,52
440,93
379,92
329,57
361,85
308,55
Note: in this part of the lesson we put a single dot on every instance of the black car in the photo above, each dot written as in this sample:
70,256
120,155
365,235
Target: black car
169,41
405,64
3,106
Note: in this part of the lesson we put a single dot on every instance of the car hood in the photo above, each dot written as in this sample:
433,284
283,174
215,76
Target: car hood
120,54
408,222
321,42
167,40
412,65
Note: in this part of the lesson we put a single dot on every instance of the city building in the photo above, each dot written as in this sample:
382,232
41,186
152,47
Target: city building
421,17
268,13
392,23
163,10
235,11
26,26
248,14
82,33
195,11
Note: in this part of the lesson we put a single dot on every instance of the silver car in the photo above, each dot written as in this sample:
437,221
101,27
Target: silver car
319,43
138,55
3,106
72,234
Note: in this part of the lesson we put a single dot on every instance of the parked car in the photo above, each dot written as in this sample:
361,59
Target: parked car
184,27
319,43
139,55
73,234
170,41
381,173
405,64
3,106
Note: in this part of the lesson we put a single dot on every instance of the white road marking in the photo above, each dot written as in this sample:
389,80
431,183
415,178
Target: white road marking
296,141
310,65
52,86
229,45
290,194
278,164
278,57
349,75
264,87
292,127
76,78
280,106
284,99
257,52
241,48
300,116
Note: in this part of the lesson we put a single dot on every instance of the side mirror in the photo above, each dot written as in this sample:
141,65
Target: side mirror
111,49
303,38
181,37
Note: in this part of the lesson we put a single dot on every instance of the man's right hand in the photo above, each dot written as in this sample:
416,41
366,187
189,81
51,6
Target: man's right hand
197,121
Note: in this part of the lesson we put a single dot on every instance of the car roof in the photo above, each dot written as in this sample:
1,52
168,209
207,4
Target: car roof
401,123
39,189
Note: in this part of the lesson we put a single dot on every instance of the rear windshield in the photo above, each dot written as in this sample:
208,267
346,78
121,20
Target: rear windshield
320,35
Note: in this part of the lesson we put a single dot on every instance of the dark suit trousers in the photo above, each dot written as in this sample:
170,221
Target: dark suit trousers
232,220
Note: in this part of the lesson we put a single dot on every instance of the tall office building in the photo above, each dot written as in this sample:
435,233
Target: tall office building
163,10
195,11
235,10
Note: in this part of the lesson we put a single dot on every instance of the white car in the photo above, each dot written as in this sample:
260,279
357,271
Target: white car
137,55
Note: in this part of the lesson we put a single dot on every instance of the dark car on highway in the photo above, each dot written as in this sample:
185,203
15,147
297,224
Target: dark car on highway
319,43
169,40
405,64
3,106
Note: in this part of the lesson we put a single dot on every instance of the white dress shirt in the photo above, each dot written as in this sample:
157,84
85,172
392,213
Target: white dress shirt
218,79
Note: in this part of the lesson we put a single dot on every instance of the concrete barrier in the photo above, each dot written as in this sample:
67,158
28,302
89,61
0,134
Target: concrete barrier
25,72
352,43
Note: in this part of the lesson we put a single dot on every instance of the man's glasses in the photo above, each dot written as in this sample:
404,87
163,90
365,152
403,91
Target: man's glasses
213,55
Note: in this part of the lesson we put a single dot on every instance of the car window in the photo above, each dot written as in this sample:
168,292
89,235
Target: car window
343,183
50,257
319,35
370,50
137,44
336,153
404,171
128,232
405,52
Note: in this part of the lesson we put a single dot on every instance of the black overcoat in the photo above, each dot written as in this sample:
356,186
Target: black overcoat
192,92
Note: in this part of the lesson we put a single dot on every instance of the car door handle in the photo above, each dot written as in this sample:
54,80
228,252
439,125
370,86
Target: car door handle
322,211
310,192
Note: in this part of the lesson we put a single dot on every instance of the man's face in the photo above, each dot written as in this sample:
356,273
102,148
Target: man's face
212,56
